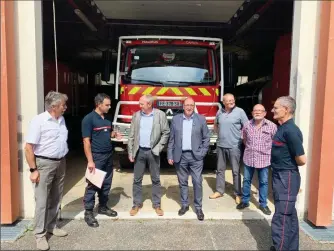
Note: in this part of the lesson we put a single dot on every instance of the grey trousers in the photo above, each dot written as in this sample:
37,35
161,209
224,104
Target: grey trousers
48,194
188,164
234,156
143,157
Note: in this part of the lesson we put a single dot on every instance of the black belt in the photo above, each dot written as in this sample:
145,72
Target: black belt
145,148
43,157
187,151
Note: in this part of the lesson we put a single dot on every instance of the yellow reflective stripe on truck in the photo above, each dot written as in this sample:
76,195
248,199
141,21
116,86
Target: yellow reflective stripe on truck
177,91
134,90
190,91
204,92
148,90
162,91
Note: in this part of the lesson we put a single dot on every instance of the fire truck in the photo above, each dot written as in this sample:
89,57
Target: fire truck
170,69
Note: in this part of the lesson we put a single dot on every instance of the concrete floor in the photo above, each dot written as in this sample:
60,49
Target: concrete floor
164,235
120,198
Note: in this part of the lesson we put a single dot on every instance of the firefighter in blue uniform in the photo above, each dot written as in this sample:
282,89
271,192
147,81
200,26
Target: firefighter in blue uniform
96,133
286,155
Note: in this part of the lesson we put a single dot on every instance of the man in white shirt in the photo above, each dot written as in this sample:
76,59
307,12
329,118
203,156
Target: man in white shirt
45,150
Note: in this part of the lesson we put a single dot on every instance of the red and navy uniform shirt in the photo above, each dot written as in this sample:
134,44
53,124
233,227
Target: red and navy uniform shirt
99,131
287,144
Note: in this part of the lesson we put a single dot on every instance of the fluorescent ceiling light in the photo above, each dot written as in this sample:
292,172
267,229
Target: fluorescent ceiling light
83,17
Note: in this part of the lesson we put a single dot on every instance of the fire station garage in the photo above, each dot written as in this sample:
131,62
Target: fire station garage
256,50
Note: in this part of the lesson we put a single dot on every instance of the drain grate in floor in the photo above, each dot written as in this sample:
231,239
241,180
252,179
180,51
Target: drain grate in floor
13,231
322,234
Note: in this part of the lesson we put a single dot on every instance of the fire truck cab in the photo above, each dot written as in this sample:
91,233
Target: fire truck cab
171,69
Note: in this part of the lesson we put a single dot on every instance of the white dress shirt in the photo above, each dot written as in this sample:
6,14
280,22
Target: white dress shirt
48,135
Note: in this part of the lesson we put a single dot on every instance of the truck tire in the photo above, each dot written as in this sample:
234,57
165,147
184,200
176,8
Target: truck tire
124,162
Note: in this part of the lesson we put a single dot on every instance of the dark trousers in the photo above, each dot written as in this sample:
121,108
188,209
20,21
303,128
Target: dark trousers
103,161
189,164
234,156
284,226
143,157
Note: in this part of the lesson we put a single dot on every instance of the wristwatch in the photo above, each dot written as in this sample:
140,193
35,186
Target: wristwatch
33,170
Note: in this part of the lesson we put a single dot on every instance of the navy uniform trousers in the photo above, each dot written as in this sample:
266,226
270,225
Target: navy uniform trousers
284,226
187,164
103,161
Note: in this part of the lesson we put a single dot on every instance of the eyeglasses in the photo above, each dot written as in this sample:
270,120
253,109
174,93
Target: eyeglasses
189,105
258,110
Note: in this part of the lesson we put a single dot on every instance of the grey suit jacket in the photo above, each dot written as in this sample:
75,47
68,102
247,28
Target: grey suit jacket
200,137
159,134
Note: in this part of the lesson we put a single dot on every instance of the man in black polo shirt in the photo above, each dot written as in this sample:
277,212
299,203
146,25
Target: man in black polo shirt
96,133
286,155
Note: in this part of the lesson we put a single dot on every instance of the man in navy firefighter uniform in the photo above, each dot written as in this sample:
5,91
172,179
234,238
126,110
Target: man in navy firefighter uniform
286,155
96,133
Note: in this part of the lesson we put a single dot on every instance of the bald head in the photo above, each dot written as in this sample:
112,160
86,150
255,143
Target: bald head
228,101
228,96
259,107
259,112
189,100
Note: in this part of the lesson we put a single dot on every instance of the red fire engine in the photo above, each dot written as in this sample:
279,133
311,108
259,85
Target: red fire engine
171,69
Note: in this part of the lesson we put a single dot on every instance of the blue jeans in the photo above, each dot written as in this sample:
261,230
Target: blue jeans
263,184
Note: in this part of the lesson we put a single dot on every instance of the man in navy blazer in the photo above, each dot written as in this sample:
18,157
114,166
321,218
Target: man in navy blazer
188,144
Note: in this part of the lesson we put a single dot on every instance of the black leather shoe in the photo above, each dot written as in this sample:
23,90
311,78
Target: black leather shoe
90,219
107,211
265,210
272,248
242,206
200,215
183,210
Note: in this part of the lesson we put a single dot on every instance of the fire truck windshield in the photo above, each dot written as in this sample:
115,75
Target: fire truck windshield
170,65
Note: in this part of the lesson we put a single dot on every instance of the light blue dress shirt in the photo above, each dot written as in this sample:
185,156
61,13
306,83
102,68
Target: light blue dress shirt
146,124
186,136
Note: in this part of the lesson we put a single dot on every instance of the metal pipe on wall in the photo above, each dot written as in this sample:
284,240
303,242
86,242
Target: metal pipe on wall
55,41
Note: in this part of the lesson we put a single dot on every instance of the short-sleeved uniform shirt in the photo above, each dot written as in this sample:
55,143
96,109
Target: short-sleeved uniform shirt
229,127
287,144
98,129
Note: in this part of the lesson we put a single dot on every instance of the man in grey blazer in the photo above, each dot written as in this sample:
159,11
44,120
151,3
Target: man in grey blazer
188,144
149,132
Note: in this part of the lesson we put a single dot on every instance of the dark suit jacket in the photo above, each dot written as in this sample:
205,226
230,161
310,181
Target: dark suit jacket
200,137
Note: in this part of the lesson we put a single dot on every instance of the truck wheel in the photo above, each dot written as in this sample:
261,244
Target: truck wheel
210,162
124,162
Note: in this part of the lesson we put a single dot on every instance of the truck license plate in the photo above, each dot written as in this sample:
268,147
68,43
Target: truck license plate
168,104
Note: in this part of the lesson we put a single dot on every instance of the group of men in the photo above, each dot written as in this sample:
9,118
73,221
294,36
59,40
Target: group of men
187,139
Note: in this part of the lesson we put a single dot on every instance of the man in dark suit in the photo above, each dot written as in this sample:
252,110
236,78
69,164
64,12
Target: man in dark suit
188,144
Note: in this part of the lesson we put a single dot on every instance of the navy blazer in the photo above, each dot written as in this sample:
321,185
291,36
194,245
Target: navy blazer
200,137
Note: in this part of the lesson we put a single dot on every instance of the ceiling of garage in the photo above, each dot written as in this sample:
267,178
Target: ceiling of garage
171,10
207,18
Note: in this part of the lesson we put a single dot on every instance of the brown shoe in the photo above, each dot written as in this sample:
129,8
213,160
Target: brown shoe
215,195
237,200
159,211
134,210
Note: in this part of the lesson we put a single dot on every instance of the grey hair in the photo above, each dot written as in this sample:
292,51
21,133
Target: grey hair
288,102
149,98
54,99
100,97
